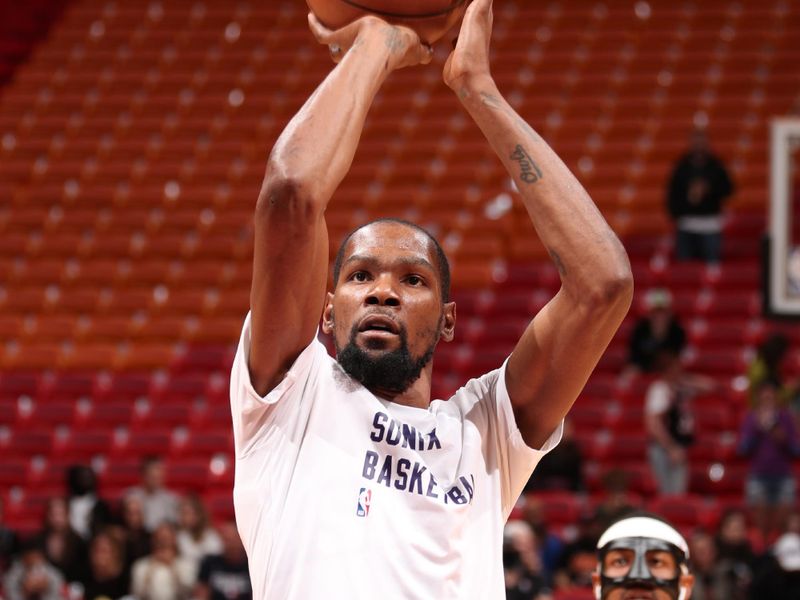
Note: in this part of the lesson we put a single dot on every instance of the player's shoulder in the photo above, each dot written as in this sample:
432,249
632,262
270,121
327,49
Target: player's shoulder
476,391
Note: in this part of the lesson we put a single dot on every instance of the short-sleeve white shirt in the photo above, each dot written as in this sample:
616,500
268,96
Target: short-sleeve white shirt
341,494
658,396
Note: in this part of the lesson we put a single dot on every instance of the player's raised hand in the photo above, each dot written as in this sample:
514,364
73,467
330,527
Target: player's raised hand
404,46
470,59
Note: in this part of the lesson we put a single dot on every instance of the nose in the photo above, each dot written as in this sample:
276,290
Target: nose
383,292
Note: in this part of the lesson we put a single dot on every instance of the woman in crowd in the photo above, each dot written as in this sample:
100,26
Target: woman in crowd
62,546
196,538
108,576
164,574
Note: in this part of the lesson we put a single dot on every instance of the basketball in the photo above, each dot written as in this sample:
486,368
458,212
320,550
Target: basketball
431,19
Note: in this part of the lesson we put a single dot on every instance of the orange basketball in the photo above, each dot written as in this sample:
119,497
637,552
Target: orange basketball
429,18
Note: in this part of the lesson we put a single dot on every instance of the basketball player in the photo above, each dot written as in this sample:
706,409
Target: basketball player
350,482
642,557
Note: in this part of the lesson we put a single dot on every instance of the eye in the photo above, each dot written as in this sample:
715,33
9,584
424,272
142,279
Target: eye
359,276
414,280
619,561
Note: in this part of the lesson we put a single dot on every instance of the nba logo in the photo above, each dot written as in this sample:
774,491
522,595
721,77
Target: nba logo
364,499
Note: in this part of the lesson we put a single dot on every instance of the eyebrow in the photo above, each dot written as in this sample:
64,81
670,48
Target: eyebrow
370,260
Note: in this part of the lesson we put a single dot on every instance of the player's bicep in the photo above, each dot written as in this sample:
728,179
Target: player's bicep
288,286
553,359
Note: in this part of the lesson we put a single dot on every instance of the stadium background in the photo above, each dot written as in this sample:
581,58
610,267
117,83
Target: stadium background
133,139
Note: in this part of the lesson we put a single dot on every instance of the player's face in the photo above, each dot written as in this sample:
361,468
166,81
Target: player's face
388,298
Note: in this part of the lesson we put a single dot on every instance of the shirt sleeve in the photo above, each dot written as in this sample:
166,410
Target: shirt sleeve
489,408
251,412
521,459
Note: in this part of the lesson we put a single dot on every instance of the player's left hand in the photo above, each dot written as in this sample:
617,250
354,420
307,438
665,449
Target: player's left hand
470,59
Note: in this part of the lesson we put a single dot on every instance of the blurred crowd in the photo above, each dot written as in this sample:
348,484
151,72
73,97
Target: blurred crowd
754,549
727,564
154,545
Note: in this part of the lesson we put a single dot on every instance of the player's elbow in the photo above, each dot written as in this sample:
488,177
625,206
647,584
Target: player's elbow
611,290
287,200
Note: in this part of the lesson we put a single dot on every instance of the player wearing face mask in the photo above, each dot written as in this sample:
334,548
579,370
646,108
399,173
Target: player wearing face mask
642,558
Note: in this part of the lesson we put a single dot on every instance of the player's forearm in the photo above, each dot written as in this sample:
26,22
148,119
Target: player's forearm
589,256
316,149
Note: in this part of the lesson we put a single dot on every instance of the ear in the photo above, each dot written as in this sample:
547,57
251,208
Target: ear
686,584
327,315
449,328
596,587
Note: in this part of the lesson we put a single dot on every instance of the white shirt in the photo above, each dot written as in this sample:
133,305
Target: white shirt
340,494
658,398
195,550
153,580
701,223
158,507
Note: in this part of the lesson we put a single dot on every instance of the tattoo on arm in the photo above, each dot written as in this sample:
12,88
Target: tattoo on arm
562,270
393,42
491,101
529,170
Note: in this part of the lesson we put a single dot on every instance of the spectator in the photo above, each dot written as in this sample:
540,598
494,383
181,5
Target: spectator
549,545
31,577
62,546
616,503
164,574
769,438
8,542
655,333
158,503
137,538
779,576
735,553
196,538
768,366
562,467
87,513
793,522
225,576
711,583
698,187
642,557
669,422
579,558
107,576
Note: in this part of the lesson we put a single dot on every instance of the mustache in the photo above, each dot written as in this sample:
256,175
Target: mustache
389,316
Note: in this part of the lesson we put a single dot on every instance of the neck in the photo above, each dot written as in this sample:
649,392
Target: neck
417,395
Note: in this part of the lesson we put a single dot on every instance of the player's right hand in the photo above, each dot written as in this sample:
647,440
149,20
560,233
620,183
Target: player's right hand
402,43
469,60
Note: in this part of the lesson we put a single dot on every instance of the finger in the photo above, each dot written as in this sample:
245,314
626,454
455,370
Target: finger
427,54
319,30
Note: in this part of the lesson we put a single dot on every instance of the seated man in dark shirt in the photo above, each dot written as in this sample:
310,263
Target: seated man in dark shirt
225,576
656,332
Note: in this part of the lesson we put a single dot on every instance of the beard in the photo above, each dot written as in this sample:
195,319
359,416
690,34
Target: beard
392,371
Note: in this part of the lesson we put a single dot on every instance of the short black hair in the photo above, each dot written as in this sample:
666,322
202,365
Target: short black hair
441,259
148,461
